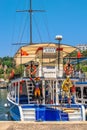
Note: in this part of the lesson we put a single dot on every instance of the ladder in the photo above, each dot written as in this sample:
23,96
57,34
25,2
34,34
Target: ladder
30,88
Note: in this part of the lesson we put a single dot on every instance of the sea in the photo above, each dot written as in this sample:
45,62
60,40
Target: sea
4,110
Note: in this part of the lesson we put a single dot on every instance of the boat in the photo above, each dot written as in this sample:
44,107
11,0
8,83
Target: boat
24,107
36,96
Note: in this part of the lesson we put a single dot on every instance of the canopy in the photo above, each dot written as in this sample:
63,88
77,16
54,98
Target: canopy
30,51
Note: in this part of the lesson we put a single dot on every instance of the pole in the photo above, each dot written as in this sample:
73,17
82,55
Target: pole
30,22
59,55
59,38
21,61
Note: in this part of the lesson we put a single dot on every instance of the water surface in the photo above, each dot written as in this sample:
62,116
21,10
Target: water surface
4,111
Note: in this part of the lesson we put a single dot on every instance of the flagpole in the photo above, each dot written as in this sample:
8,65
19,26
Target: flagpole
23,53
21,62
78,57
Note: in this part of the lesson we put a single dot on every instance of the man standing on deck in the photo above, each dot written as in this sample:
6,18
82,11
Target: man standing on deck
67,84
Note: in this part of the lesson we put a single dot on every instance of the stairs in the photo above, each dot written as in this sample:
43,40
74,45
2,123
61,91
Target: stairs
28,114
74,114
30,88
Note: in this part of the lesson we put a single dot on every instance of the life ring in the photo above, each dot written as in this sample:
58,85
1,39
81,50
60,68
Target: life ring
68,68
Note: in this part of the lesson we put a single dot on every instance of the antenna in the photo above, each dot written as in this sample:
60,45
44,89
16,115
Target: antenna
30,11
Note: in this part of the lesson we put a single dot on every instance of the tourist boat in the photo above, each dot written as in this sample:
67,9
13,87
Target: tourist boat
42,99
36,96
24,107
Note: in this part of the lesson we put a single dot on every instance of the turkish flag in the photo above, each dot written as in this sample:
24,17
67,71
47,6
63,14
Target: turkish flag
24,53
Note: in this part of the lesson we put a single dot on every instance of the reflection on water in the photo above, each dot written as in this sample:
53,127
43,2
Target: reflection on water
4,111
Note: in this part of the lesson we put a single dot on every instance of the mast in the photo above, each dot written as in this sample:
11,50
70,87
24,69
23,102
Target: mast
30,11
30,22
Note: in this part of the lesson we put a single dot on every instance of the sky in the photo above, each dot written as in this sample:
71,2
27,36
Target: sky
60,17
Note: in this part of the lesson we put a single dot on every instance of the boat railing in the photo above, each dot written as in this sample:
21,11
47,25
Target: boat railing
11,97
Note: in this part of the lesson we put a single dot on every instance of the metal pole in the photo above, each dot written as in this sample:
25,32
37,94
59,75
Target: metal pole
59,38
59,55
30,22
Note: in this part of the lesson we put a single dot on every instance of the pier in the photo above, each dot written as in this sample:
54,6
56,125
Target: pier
11,125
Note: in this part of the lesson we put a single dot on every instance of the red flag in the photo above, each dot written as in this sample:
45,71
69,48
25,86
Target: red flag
79,55
39,48
59,49
12,74
24,53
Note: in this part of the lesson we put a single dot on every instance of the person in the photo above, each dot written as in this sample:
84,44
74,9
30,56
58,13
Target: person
83,76
73,92
37,91
67,84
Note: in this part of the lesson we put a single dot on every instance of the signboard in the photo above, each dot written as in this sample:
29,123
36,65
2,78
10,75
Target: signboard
49,72
49,50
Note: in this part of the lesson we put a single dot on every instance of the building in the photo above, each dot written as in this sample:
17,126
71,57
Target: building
82,47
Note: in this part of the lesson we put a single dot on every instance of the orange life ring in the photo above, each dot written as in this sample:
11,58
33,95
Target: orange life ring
68,69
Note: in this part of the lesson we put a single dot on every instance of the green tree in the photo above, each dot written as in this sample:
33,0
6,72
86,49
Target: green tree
1,71
8,61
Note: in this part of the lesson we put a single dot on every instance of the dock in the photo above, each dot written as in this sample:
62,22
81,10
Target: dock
12,125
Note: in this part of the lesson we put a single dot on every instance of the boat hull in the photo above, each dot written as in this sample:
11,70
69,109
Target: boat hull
49,112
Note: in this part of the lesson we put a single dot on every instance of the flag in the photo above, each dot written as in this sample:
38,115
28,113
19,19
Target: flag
39,48
79,55
59,49
12,73
24,53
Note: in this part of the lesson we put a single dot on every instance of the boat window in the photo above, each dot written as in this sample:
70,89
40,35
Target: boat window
85,92
23,89
78,92
12,90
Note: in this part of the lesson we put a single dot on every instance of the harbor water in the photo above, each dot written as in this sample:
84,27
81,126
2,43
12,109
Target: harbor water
4,110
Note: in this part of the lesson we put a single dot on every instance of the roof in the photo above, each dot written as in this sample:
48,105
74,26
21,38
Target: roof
79,60
31,50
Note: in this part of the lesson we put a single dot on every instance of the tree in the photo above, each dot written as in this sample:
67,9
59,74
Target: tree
8,61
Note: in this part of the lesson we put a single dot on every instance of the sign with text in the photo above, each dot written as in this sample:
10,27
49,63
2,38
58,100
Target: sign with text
49,50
